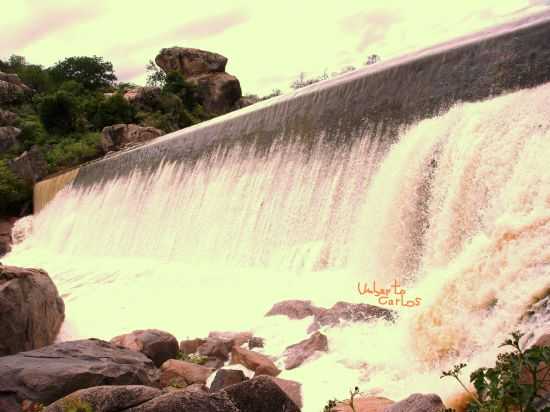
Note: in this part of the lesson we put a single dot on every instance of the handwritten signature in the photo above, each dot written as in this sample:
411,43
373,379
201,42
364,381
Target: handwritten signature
392,296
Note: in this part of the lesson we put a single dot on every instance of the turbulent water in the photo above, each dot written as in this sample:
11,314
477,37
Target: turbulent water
458,210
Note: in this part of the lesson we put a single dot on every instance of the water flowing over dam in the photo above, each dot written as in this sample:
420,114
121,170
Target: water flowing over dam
431,169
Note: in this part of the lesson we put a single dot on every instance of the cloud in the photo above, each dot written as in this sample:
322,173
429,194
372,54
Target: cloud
371,26
42,23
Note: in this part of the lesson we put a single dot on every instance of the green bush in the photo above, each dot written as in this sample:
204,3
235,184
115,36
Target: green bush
73,150
93,73
61,112
13,191
113,110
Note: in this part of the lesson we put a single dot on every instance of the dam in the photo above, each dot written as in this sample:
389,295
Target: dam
431,168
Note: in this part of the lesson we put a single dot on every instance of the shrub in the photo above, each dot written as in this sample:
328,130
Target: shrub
112,110
13,191
73,150
61,112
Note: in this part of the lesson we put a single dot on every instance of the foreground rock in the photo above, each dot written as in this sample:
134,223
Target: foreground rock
225,378
31,310
6,225
368,404
294,309
159,346
12,89
119,136
261,394
48,374
254,361
190,346
188,401
418,403
106,398
31,165
181,374
350,312
8,138
298,353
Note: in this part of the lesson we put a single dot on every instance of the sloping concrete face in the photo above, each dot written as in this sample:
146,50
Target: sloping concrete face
379,99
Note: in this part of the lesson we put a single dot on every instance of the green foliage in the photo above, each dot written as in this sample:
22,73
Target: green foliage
60,112
93,73
516,383
331,403
73,150
13,191
192,357
155,76
76,405
112,110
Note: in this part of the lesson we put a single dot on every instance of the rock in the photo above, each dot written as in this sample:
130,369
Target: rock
31,310
159,346
144,98
237,338
8,138
12,89
298,353
190,62
351,312
217,348
31,166
6,225
367,404
254,361
218,92
543,340
48,374
7,118
119,135
191,345
187,401
180,373
255,342
294,309
418,403
261,394
106,398
214,363
226,377
246,101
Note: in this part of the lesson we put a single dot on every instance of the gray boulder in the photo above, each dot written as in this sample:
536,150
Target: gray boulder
119,136
8,138
294,309
31,310
12,89
190,62
418,403
48,374
31,166
7,118
349,312
188,401
159,346
227,377
298,353
218,92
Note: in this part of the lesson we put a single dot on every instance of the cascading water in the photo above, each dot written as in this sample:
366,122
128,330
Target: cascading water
458,210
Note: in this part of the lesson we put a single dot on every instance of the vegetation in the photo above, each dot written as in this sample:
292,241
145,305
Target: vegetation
519,382
332,403
192,357
76,405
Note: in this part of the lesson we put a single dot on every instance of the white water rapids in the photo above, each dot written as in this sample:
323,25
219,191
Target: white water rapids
458,210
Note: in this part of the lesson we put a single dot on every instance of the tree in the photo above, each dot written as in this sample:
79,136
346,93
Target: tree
113,110
155,76
92,72
60,112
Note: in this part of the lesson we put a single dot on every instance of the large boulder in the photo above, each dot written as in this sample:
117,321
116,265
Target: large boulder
106,398
159,346
418,403
31,310
7,118
190,62
298,353
349,312
31,165
189,346
254,361
294,309
145,98
366,404
8,138
261,394
120,135
181,374
12,89
225,378
48,374
218,92
188,401
6,226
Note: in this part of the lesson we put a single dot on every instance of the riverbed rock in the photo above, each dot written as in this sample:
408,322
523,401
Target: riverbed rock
7,118
261,394
50,373
418,403
191,345
180,373
225,378
159,346
349,312
236,338
117,136
189,61
6,226
31,166
215,347
294,309
298,353
254,361
255,342
106,398
188,401
367,404
31,310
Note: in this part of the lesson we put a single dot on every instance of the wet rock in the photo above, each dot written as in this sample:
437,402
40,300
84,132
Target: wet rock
294,309
418,403
367,404
31,165
191,345
215,347
261,394
351,312
8,138
106,398
213,362
225,378
298,353
180,373
190,62
254,361
6,225
188,401
50,373
159,346
120,135
255,342
31,310
236,338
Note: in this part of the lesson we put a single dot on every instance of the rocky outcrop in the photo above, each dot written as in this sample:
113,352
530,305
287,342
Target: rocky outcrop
190,62
7,118
144,98
218,91
159,346
31,165
254,361
6,225
8,138
298,353
31,310
188,401
181,374
119,136
106,398
48,374
12,89
418,403
349,312
294,309
225,378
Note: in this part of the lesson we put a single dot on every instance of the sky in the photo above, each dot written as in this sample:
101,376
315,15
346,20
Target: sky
268,43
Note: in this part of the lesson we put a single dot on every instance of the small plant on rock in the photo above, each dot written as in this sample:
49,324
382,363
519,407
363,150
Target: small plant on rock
76,405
